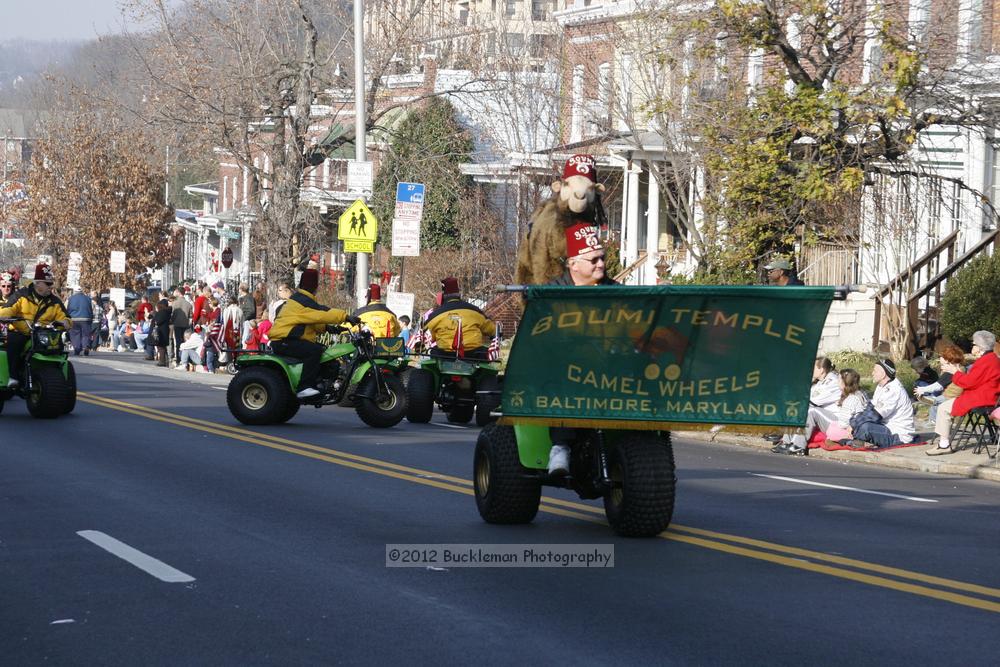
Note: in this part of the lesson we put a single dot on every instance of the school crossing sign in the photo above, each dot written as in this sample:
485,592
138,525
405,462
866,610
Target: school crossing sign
358,228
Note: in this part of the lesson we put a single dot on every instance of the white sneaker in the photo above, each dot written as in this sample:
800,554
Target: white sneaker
181,368
200,369
559,460
13,383
308,392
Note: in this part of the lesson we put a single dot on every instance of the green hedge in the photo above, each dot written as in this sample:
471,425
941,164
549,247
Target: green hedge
972,300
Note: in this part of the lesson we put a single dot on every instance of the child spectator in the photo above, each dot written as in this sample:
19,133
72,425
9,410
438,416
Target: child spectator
938,392
823,402
852,401
189,351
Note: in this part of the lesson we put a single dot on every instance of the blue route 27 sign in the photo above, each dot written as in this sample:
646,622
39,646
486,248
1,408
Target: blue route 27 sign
410,193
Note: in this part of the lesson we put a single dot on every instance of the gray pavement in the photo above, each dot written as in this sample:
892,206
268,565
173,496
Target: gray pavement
961,464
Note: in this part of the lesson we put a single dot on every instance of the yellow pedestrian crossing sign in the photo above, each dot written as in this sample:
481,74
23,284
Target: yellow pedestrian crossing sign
358,223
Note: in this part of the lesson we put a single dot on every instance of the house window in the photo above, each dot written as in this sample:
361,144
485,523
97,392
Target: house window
872,55
920,12
576,127
970,31
755,69
720,64
794,41
511,8
625,91
604,86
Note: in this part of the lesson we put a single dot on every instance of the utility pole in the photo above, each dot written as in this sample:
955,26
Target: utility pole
361,279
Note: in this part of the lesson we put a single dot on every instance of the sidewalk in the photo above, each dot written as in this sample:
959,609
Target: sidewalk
134,362
960,464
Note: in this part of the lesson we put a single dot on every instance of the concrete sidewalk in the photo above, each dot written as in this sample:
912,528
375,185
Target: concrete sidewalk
961,464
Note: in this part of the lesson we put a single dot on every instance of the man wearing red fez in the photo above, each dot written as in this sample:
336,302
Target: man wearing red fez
38,303
584,267
458,328
296,326
376,316
585,259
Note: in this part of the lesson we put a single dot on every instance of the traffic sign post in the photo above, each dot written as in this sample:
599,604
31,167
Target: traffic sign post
117,261
359,177
406,219
358,223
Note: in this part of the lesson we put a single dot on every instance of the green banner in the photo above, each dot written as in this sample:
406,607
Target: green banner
650,357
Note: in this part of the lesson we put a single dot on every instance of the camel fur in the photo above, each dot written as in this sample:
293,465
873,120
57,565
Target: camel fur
542,255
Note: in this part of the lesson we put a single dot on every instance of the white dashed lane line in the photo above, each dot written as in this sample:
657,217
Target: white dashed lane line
144,562
844,488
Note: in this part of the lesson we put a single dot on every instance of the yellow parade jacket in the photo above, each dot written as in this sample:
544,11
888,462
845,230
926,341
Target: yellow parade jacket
303,318
28,304
443,321
380,320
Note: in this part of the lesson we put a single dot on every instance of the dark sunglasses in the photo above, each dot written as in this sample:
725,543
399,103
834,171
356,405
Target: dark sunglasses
5,286
594,260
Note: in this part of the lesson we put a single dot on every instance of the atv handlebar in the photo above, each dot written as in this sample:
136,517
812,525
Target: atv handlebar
32,324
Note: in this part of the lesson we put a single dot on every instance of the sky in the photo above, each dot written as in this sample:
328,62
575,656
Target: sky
59,19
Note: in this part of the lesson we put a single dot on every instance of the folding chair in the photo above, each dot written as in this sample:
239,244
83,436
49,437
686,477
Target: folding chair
976,429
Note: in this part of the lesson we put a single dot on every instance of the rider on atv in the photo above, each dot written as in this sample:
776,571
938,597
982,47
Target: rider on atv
37,303
457,328
294,331
376,316
584,267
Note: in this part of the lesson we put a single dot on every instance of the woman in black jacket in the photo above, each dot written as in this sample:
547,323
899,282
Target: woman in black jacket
161,320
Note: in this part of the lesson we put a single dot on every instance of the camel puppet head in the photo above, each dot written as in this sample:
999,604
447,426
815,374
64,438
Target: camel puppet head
578,187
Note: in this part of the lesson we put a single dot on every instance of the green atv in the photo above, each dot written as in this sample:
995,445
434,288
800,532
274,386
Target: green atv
48,381
263,389
462,387
617,367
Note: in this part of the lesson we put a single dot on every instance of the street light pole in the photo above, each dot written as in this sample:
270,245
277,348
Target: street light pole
361,279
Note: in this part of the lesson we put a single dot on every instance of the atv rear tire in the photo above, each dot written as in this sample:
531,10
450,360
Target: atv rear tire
505,493
460,414
386,410
50,393
71,377
420,392
259,396
487,403
641,465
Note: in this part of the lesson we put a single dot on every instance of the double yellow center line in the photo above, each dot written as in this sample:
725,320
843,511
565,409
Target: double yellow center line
939,588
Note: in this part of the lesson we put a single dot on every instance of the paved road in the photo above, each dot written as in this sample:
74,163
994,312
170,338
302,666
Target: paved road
274,544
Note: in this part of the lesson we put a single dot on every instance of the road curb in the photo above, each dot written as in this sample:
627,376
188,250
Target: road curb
989,470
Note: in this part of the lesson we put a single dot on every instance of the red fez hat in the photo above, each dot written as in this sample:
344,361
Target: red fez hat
374,292
581,238
449,285
309,280
44,273
581,165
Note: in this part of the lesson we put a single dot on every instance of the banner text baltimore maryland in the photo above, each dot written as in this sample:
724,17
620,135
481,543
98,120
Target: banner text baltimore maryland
697,354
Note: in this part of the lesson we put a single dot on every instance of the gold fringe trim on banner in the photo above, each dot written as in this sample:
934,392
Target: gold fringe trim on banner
628,425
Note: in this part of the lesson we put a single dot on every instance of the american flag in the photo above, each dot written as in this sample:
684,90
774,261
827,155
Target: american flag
457,344
493,353
429,341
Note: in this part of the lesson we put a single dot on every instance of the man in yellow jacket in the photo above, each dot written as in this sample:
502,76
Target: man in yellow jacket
293,333
376,316
37,303
458,328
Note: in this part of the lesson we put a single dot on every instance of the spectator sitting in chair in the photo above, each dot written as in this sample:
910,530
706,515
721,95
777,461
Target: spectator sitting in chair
935,394
980,387
888,420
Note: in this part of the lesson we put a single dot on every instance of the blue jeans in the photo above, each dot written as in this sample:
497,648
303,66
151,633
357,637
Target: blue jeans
876,433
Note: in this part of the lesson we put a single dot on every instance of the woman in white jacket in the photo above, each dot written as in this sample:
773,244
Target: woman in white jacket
823,403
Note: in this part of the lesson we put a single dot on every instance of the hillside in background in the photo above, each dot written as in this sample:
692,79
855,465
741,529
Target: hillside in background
22,62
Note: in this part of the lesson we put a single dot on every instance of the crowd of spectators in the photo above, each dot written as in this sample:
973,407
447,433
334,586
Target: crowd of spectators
194,328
